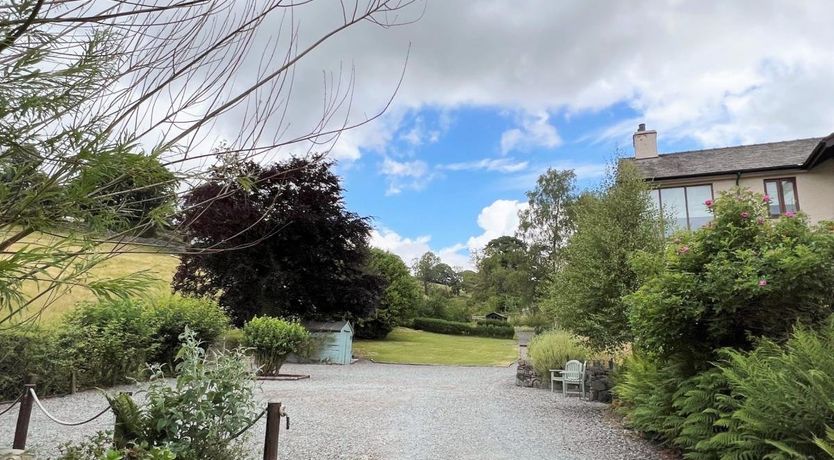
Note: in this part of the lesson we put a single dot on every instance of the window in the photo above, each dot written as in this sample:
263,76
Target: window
684,207
783,197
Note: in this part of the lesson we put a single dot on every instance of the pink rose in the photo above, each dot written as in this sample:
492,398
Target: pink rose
745,214
683,249
790,214
762,282
760,221
766,198
708,203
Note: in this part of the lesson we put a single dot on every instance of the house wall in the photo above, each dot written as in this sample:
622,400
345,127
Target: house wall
815,188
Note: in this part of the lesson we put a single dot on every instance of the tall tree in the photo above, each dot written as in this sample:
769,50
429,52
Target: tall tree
277,240
400,299
425,269
547,222
506,280
612,223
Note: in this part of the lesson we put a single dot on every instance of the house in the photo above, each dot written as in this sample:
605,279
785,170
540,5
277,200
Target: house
797,175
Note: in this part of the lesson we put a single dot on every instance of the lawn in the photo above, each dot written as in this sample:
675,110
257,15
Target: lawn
408,346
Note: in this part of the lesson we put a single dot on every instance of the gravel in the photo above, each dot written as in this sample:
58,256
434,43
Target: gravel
383,411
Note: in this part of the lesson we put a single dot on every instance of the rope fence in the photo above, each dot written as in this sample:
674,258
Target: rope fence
273,411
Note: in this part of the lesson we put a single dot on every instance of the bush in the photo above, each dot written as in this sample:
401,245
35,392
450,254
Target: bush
743,276
457,328
232,339
36,352
537,320
110,342
194,419
553,349
170,315
272,339
776,401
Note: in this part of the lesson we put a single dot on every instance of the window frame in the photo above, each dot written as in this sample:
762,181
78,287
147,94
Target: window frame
686,198
780,191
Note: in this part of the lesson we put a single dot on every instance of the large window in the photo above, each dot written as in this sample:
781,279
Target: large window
684,207
783,197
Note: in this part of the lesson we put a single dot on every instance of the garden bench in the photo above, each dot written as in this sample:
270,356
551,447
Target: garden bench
572,374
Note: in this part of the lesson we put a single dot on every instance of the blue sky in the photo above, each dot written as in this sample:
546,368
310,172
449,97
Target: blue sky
450,165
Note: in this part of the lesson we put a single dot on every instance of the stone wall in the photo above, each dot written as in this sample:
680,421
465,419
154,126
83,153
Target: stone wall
598,381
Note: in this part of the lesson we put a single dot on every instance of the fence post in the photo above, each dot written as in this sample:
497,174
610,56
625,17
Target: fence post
273,425
22,429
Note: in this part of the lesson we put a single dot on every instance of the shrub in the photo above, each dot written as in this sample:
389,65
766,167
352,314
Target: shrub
553,349
232,339
110,342
197,417
36,352
171,314
537,320
776,401
272,339
458,328
741,277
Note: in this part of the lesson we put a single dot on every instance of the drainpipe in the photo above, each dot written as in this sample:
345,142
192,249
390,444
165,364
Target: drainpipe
738,177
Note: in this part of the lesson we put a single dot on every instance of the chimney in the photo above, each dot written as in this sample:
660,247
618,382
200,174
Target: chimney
645,143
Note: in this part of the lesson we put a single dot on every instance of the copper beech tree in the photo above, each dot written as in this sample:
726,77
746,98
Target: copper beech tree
297,251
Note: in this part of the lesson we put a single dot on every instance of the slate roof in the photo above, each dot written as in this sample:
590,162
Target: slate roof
729,160
325,326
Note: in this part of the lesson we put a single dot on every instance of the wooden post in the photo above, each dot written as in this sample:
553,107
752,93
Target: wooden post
273,425
22,429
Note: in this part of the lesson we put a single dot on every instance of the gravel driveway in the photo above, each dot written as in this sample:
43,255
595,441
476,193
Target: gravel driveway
381,411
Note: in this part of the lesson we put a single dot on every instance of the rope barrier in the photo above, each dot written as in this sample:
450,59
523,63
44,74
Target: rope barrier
13,404
255,420
62,422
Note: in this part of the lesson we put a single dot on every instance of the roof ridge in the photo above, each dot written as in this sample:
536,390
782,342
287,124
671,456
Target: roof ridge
737,146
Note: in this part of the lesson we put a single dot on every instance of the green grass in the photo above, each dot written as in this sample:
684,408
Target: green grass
408,346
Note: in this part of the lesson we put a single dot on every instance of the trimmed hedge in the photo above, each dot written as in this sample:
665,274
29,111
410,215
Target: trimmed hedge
493,322
441,326
105,343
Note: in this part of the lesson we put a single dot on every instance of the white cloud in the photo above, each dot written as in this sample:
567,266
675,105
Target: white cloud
534,131
410,249
498,219
505,165
413,175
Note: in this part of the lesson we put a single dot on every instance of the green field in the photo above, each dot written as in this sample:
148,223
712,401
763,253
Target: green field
159,266
408,346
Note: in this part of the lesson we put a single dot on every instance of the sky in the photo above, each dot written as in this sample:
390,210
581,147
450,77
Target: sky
494,92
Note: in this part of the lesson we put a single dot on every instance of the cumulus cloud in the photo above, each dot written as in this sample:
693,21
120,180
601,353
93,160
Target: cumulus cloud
410,249
498,219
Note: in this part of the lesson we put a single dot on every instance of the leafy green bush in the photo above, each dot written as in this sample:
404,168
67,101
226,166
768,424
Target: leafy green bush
552,349
272,339
37,352
197,418
741,277
458,328
110,342
232,339
537,320
170,315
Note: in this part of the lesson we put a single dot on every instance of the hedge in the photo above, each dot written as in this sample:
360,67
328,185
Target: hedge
441,326
104,343
493,322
